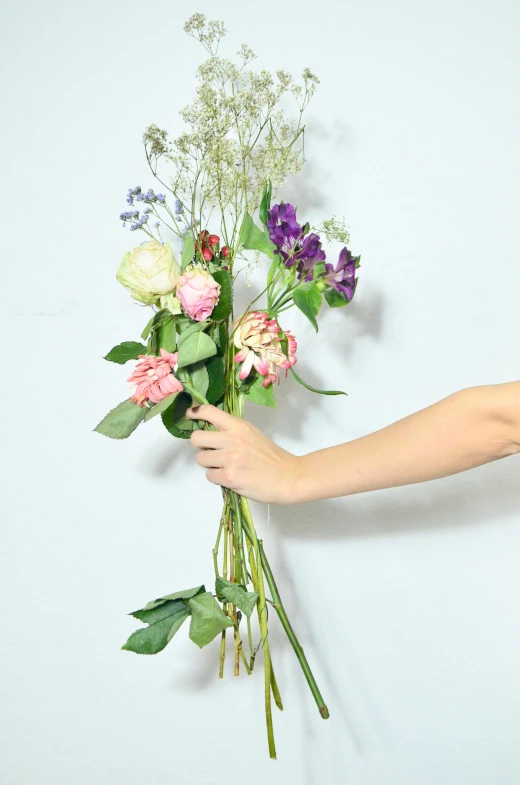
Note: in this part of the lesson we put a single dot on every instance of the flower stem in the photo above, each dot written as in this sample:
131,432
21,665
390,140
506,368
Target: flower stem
264,567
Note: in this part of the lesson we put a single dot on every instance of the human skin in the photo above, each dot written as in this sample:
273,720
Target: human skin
470,428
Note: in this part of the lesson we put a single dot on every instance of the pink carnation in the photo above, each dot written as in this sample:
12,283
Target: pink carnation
154,379
259,340
198,292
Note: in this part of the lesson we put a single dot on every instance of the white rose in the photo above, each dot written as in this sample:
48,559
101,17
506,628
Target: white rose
149,271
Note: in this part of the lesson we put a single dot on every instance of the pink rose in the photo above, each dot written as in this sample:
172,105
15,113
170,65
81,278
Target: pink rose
153,378
198,292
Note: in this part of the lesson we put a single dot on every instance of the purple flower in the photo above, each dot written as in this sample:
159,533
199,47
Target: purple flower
343,276
178,206
284,230
292,243
307,255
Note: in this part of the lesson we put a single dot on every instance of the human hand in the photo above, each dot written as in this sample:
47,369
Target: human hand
239,456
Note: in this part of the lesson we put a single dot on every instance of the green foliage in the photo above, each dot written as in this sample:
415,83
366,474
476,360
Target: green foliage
207,619
308,299
217,379
254,239
188,251
184,594
236,594
147,329
120,422
197,397
200,377
257,393
163,622
166,335
334,298
128,350
314,389
174,419
197,346
225,301
160,407
191,329
265,204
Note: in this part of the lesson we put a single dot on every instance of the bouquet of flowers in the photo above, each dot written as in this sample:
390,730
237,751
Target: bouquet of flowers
240,144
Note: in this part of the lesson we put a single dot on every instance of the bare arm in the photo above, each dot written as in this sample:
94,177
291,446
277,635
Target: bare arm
465,430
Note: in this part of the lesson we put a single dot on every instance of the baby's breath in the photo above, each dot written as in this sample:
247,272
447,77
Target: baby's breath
236,136
334,229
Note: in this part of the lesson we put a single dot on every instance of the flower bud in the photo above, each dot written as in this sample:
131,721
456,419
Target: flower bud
214,239
224,251
206,253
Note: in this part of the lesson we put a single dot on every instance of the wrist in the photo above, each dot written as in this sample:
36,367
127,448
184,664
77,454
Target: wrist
298,486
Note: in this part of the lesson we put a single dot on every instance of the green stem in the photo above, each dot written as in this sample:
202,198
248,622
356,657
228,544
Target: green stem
264,567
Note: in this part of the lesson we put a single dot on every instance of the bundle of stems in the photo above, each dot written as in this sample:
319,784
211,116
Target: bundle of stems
239,556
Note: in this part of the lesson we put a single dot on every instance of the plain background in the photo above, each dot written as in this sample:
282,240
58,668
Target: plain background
406,601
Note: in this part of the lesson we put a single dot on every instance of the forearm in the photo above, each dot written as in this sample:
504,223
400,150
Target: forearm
468,429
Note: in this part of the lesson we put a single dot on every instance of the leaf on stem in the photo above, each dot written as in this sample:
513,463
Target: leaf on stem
188,251
192,329
217,379
166,335
200,377
314,389
207,619
225,300
254,239
185,594
197,346
265,204
128,350
257,393
120,422
308,299
236,594
163,622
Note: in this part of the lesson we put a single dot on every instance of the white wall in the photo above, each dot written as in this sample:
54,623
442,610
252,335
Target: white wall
406,601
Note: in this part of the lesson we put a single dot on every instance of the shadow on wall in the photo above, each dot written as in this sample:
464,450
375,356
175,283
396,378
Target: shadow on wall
474,497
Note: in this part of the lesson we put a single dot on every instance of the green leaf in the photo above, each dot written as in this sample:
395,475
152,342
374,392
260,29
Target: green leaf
237,594
163,624
196,347
121,421
160,407
160,612
174,420
195,394
185,594
128,350
147,329
265,204
166,335
200,378
319,270
334,298
254,239
225,300
192,329
308,299
217,379
207,619
188,251
161,316
314,389
257,393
